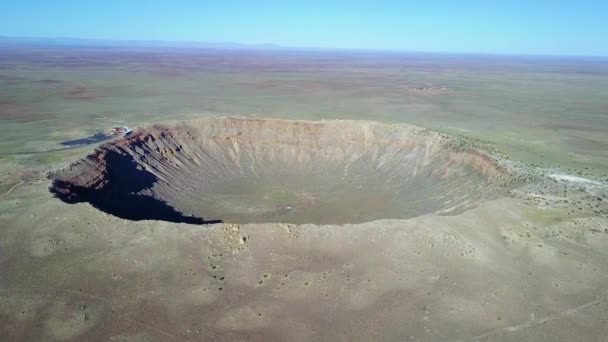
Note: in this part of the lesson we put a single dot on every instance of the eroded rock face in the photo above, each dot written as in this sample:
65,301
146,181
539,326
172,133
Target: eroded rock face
243,170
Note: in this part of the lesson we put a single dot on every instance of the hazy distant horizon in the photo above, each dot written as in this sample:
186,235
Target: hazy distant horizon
143,43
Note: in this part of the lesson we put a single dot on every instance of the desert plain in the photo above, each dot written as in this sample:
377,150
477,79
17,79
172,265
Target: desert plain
301,195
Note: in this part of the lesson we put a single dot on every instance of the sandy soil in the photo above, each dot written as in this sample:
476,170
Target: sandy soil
488,274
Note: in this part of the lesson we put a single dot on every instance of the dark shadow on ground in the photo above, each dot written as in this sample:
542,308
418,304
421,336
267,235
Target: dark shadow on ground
70,144
119,194
97,137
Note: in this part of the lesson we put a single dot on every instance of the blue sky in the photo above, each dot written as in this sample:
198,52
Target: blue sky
517,26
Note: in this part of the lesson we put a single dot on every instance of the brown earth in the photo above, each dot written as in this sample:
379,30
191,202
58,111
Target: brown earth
80,93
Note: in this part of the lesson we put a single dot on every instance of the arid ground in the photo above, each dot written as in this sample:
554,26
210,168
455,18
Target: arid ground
300,195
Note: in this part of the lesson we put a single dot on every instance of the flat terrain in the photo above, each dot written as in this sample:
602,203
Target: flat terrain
529,264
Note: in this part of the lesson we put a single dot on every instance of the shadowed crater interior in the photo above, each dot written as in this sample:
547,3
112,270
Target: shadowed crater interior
243,170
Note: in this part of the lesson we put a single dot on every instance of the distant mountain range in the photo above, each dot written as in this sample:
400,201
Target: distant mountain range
10,41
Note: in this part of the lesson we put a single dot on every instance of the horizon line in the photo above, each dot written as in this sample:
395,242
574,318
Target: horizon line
264,46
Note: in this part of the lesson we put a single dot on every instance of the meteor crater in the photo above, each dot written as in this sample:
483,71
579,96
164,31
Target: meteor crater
246,170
